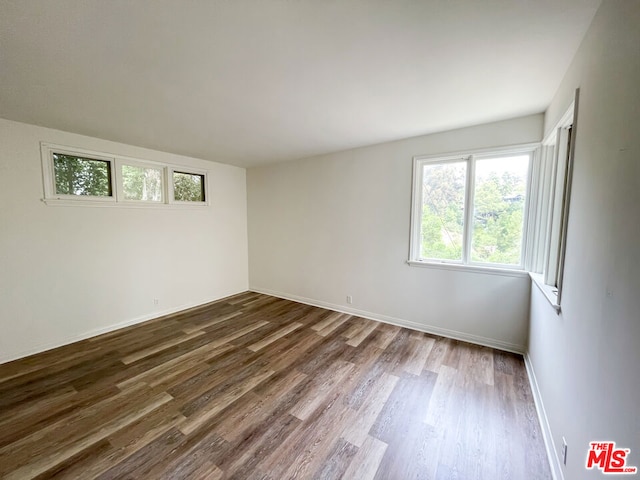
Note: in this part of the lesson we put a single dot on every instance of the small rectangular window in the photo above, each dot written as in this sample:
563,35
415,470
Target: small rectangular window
76,175
188,187
142,183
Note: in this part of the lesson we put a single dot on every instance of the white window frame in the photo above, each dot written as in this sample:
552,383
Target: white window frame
416,211
552,200
117,195
47,152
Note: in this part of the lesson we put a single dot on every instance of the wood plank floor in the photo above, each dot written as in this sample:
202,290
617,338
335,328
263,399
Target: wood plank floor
255,387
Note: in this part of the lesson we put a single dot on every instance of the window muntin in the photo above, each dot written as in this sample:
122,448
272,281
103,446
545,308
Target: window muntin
79,175
142,183
483,217
188,187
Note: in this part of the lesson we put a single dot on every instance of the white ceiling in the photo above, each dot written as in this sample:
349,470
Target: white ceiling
249,82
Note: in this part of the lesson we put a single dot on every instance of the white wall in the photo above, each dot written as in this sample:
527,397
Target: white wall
587,360
71,272
336,225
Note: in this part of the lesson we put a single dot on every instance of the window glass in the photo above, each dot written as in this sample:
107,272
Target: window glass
442,221
188,187
498,209
142,183
82,176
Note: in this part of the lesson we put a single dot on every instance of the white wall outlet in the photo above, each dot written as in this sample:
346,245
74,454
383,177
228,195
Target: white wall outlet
156,301
349,299
564,451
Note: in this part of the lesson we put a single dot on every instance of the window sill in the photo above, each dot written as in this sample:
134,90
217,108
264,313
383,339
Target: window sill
547,290
469,268
64,202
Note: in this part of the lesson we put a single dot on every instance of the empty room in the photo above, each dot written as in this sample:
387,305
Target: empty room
300,239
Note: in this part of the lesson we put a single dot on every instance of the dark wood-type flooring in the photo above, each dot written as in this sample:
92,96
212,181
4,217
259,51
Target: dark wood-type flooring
256,387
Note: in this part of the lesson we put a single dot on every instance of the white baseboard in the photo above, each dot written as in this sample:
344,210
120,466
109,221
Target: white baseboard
443,332
99,331
552,453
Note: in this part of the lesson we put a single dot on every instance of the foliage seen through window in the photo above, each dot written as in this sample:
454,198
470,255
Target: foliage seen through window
142,183
188,187
443,187
82,176
497,201
498,214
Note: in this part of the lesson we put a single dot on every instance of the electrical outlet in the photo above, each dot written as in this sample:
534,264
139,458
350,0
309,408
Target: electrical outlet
156,301
564,451
349,299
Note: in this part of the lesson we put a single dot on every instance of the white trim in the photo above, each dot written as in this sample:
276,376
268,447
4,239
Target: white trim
416,209
526,226
549,220
547,290
473,268
517,148
469,197
566,196
555,202
529,251
542,203
552,456
54,202
43,347
443,332
567,118
555,196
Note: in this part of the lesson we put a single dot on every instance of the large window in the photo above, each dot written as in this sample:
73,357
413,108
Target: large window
77,176
471,208
498,210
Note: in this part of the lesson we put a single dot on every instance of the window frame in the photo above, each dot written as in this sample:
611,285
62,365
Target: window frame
553,198
471,157
48,167
117,192
416,211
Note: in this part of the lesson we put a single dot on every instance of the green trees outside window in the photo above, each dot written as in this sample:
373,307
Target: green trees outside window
498,209
188,187
443,197
82,176
142,183
498,213
75,176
